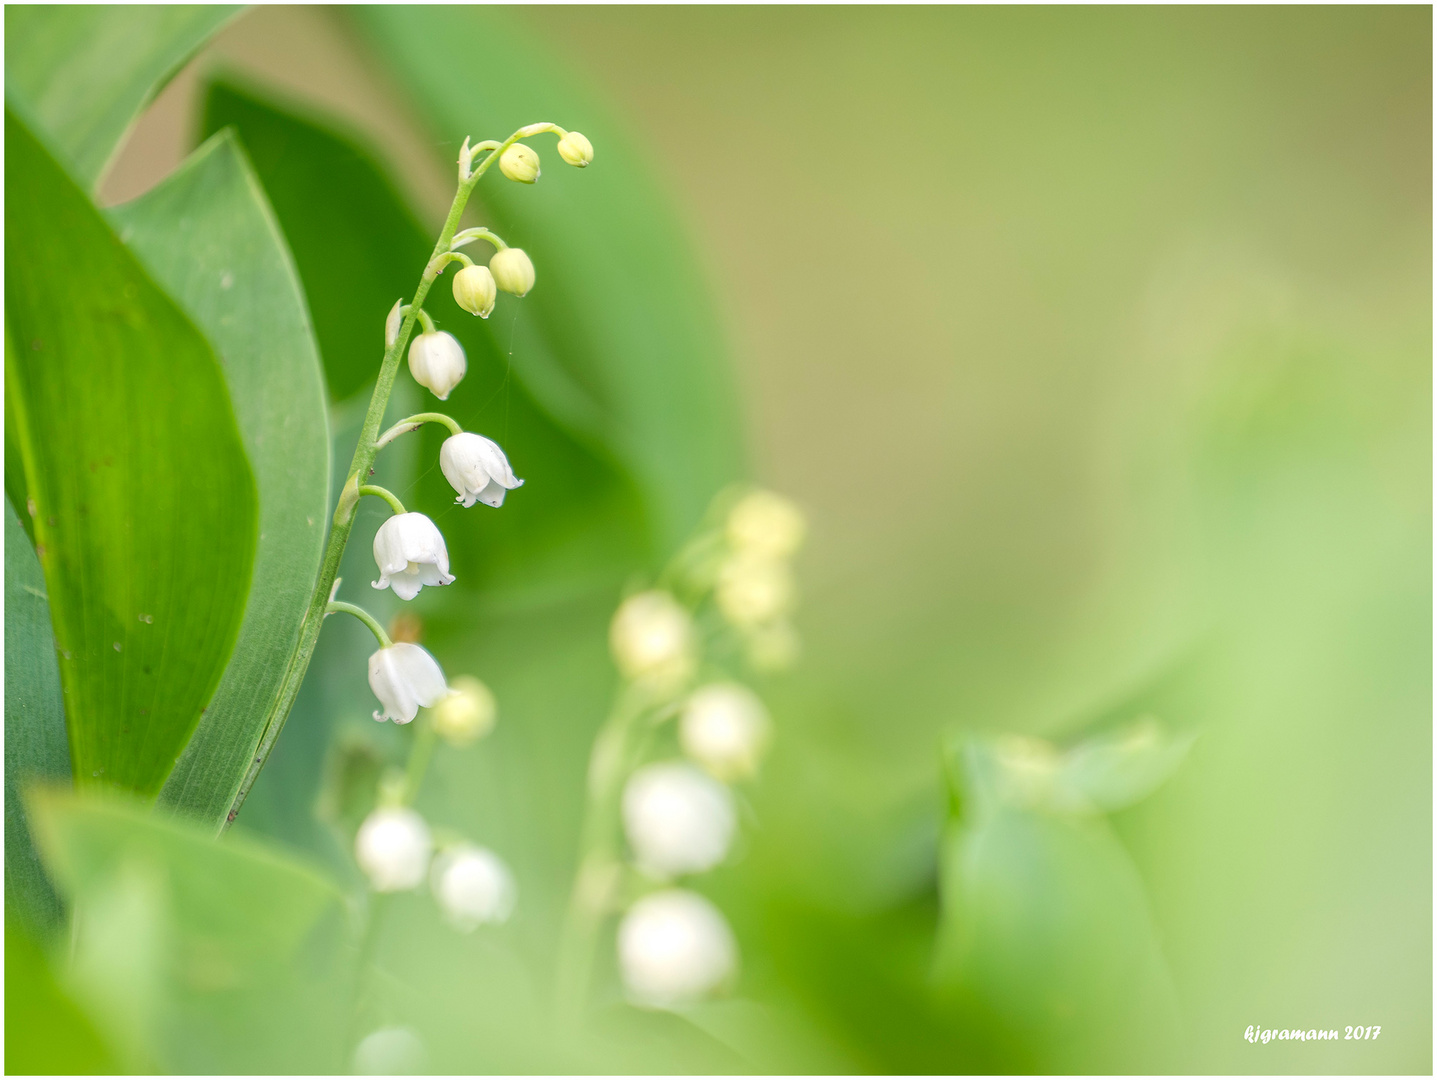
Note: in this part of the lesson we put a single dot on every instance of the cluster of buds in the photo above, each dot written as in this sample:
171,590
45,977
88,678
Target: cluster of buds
679,816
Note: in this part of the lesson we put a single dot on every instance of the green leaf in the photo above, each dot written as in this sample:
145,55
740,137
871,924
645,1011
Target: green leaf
580,518
208,236
145,507
81,74
34,723
46,1032
196,955
620,318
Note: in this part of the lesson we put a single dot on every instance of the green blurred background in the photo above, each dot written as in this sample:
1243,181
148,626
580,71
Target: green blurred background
1096,344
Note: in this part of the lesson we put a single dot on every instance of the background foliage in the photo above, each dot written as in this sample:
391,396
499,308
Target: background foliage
1097,346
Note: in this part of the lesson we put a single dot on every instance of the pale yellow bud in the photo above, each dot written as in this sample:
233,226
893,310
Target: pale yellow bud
766,524
576,150
467,714
753,591
652,637
520,163
474,290
513,271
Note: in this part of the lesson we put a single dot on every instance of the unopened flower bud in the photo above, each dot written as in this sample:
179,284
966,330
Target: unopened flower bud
754,590
724,727
576,150
520,162
674,947
472,886
474,290
513,271
652,636
477,469
410,553
392,848
403,677
765,524
678,820
467,713
437,362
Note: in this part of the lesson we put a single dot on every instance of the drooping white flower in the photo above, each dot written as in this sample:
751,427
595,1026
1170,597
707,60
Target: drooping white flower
466,713
391,1051
678,820
392,848
652,637
437,362
724,727
477,469
473,886
513,270
674,947
410,553
576,149
403,677
766,525
753,590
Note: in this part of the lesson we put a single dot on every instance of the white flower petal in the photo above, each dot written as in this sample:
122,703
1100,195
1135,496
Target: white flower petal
477,469
403,677
409,550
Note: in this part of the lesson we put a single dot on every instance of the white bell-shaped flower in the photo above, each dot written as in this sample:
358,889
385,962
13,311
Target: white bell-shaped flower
652,637
410,553
473,886
437,362
674,947
477,469
403,677
753,590
678,819
724,727
392,848
765,525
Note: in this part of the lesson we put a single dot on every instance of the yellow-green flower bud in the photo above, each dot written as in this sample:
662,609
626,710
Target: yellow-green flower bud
576,150
468,712
513,272
520,162
474,290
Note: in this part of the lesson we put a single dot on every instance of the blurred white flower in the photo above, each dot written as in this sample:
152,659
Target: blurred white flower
513,270
474,290
391,1051
753,590
766,525
678,819
652,637
472,886
403,677
409,550
466,713
674,947
576,150
520,162
392,848
477,469
437,362
725,728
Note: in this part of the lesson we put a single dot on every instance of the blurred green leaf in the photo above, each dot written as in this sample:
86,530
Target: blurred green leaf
34,724
208,236
82,73
618,339
46,1032
203,955
145,508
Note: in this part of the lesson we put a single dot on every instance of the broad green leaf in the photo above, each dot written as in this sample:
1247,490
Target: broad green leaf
82,73
579,517
208,236
201,955
145,508
46,1032
34,723
618,308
